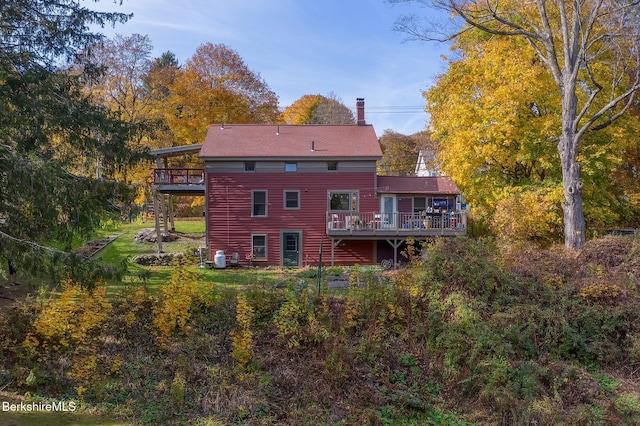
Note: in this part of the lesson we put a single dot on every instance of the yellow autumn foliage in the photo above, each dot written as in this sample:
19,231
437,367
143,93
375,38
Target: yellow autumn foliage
173,309
529,215
242,337
71,319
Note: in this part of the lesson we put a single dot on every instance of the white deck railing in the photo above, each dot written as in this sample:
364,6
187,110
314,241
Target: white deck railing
372,222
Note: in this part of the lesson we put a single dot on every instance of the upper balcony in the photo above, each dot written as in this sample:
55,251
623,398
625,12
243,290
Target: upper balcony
389,225
179,181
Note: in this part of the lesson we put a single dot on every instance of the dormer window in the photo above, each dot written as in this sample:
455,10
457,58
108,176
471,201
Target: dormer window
332,166
249,166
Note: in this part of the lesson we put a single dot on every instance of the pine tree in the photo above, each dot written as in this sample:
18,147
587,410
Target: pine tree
51,135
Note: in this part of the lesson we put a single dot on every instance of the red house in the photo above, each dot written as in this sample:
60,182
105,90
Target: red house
276,192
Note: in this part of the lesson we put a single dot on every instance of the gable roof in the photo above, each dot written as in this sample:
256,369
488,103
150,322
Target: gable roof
425,166
291,141
417,185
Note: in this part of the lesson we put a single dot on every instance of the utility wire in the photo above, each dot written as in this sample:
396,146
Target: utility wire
407,109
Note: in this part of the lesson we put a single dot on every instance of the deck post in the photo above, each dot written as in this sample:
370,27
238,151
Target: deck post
156,213
395,244
164,215
334,244
173,225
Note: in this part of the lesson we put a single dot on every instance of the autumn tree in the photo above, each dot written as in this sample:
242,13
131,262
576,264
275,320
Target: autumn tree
123,62
400,152
216,86
318,109
493,113
47,127
590,50
160,75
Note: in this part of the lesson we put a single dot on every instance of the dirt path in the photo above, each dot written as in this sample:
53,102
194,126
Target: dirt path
10,295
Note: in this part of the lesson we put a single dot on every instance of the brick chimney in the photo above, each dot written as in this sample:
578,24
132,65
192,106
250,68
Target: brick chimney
360,112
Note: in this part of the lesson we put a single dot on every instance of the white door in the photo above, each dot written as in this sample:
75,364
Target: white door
388,210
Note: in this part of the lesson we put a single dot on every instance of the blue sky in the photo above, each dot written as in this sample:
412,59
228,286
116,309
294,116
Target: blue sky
301,47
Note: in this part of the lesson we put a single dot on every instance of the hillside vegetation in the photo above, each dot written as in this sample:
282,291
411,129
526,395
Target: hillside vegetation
469,333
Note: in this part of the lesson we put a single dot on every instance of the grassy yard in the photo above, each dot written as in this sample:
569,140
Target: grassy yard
191,232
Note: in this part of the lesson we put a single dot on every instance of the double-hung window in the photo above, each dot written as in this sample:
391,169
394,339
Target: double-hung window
259,246
291,200
259,203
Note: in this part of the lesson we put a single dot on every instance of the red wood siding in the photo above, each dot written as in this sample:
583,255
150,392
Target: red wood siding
405,205
230,224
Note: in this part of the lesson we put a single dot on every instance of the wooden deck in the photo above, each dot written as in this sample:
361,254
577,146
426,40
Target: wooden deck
378,225
179,181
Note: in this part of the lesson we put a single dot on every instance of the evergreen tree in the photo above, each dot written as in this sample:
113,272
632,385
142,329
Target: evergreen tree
51,135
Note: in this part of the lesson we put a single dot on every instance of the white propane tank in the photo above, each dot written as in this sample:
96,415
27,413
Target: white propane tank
219,260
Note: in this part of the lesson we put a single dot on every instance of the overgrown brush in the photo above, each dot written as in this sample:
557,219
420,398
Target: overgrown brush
471,331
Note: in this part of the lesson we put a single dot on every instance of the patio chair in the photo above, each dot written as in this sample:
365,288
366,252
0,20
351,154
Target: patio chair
335,222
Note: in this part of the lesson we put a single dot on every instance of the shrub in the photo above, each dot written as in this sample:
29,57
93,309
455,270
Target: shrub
173,310
70,321
242,337
627,404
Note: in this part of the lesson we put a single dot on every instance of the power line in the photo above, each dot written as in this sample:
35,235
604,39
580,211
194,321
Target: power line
394,109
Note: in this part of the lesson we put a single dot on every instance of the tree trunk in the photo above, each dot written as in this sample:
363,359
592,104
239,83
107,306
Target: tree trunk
574,225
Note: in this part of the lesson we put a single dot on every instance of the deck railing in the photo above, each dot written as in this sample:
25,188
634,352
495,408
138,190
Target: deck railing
371,223
180,176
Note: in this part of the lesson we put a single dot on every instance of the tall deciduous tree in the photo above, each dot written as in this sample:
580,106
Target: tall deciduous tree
47,126
400,152
216,86
318,109
589,47
124,62
119,86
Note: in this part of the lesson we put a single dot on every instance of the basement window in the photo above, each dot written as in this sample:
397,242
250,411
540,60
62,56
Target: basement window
259,246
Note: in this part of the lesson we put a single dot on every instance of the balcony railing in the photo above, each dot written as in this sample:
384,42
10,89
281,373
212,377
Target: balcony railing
178,176
401,224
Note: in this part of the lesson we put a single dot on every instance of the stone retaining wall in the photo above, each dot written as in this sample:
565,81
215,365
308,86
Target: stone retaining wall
162,259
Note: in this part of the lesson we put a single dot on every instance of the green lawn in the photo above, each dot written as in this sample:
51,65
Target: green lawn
124,249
